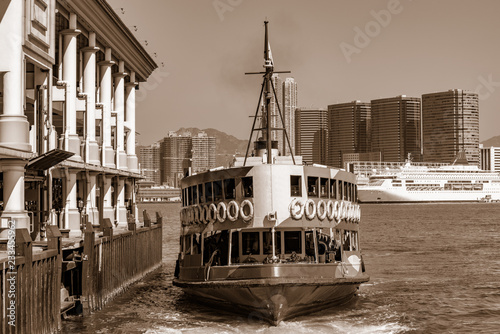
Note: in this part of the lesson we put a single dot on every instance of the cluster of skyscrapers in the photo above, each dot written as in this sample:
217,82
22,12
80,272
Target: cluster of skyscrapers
433,128
166,161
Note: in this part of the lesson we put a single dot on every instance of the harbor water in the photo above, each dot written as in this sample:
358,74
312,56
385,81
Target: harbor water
434,268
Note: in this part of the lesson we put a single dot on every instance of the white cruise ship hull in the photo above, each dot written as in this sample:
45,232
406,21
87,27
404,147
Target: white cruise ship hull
385,195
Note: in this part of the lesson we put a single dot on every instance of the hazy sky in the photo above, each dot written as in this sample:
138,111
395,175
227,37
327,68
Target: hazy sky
337,50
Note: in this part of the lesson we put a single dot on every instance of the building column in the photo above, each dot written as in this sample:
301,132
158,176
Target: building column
121,158
108,155
89,71
70,211
70,137
132,160
121,213
107,202
13,194
91,205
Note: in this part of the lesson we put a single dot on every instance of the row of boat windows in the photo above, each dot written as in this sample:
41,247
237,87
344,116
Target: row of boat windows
256,246
324,188
227,189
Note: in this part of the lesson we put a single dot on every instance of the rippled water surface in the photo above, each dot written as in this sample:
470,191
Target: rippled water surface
434,268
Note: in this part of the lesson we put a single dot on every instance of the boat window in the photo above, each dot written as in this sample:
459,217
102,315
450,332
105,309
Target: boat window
333,188
201,198
247,186
268,243
356,193
229,189
312,186
196,244
235,246
208,192
350,240
323,189
184,197
293,242
295,185
344,190
217,187
250,243
195,195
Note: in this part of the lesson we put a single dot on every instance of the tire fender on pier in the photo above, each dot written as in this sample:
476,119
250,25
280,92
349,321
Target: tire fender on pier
322,210
310,209
233,207
244,216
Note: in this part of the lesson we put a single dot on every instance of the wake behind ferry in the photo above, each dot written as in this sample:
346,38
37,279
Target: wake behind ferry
270,237
452,183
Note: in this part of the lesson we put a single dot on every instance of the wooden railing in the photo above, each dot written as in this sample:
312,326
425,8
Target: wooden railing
37,286
113,262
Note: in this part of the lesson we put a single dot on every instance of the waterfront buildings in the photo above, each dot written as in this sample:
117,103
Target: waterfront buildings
395,124
490,158
348,130
180,153
69,71
149,161
450,125
290,101
311,128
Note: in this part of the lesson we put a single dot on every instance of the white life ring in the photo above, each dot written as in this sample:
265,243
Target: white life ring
230,206
212,213
197,213
341,212
190,217
358,216
183,217
244,216
323,209
310,213
348,211
221,212
330,209
206,214
296,209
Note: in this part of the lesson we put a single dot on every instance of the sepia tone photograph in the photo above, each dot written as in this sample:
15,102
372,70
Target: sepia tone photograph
249,166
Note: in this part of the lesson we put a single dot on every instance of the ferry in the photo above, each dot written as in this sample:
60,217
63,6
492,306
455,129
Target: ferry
270,237
450,183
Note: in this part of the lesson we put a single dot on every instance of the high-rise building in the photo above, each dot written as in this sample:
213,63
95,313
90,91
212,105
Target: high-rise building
275,115
311,135
178,153
450,125
289,106
348,130
149,160
203,153
490,158
396,128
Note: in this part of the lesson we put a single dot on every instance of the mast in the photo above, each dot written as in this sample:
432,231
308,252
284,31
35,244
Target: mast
267,91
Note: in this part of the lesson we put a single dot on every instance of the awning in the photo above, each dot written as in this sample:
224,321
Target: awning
49,159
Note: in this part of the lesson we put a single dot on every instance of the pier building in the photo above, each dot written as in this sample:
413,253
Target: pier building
290,102
311,130
69,71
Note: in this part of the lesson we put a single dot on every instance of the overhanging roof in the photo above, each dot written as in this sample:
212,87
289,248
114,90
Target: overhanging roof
49,159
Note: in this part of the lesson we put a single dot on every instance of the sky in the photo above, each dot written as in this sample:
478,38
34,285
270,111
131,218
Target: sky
337,51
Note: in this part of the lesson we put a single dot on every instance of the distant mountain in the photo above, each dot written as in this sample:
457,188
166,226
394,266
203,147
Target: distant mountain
227,145
494,141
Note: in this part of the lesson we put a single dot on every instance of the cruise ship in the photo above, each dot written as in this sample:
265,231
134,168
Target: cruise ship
452,183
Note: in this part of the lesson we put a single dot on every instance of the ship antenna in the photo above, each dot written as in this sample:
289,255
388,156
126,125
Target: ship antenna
268,90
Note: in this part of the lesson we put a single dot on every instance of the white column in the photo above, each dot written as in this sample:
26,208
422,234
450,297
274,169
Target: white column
71,214
71,140
132,161
91,206
105,99
89,72
120,197
14,126
107,207
13,194
121,158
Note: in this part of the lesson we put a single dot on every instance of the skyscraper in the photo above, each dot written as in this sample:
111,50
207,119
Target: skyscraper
311,135
275,115
450,123
149,159
289,106
203,152
395,124
348,130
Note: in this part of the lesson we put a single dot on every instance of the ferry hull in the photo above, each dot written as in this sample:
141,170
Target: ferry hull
377,195
274,300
